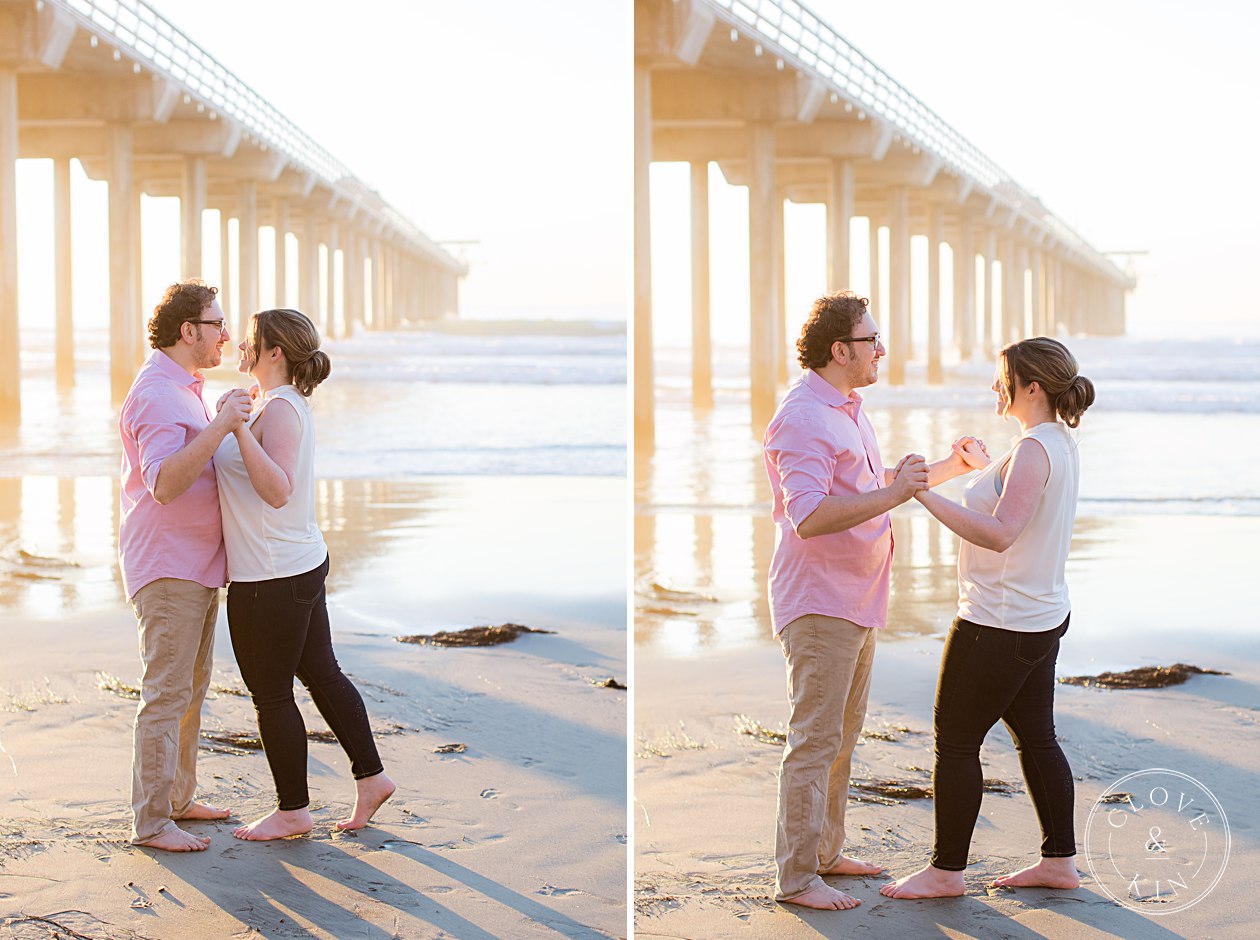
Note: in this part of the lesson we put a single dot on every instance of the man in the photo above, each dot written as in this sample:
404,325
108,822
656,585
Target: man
170,548
829,583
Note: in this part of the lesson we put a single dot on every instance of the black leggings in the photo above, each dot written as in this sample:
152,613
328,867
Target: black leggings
280,630
987,675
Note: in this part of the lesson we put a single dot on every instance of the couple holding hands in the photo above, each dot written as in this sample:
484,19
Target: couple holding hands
231,495
829,586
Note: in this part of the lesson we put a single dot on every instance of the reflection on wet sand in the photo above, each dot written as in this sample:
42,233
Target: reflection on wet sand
703,530
59,535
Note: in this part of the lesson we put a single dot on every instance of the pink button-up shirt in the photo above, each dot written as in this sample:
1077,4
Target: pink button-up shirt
821,444
163,412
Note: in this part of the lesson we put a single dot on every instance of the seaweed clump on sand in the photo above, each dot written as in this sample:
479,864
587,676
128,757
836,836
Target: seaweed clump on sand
473,636
894,792
609,683
1144,677
755,729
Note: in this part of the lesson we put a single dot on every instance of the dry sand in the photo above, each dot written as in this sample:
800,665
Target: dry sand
520,834
705,802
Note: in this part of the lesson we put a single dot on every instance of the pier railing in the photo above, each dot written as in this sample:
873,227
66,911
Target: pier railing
798,36
136,30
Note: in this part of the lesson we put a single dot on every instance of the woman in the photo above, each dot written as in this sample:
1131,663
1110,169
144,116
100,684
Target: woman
277,563
1016,523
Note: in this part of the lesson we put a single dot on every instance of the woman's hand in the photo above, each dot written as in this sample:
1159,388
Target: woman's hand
972,452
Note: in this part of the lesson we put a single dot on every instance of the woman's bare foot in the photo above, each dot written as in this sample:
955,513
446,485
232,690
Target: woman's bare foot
927,882
280,824
203,811
851,866
175,839
370,794
824,898
1047,873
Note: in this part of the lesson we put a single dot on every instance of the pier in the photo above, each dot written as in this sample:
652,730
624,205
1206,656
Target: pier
787,107
140,106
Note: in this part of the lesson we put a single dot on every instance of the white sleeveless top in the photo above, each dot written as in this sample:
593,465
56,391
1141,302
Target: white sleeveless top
1022,588
262,542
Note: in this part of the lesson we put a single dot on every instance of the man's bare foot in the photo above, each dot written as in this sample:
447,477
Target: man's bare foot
203,811
824,898
280,824
175,839
927,882
1047,873
370,794
851,866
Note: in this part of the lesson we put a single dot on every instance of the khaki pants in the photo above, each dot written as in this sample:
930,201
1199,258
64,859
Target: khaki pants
176,620
829,676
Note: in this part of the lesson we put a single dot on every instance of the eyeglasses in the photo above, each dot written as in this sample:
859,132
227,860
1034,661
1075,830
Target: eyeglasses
219,325
873,339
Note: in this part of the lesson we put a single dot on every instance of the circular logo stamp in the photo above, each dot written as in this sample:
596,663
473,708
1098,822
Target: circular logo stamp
1157,841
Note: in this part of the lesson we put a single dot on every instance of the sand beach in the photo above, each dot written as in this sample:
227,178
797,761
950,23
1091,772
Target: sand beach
443,510
1158,575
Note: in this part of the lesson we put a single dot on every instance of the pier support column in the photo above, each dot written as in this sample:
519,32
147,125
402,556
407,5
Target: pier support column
281,212
123,310
899,282
1038,269
138,342
1047,314
763,304
701,331
965,288
935,226
63,273
308,268
330,313
876,294
387,288
839,214
1022,305
10,334
191,205
644,368
354,281
378,284
780,292
247,244
990,288
225,276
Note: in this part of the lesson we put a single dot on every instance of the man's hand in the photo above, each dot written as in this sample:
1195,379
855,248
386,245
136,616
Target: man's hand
910,476
972,452
233,409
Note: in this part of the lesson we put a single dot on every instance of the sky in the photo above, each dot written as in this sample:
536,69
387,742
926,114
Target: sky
1131,121
499,122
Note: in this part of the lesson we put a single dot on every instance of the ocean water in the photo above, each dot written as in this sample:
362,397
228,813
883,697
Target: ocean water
475,473
1169,507
399,405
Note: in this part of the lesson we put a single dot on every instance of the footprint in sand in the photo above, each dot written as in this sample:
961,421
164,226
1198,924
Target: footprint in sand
489,793
552,891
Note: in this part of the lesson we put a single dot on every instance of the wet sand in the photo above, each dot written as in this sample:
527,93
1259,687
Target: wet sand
509,818
705,802
1149,589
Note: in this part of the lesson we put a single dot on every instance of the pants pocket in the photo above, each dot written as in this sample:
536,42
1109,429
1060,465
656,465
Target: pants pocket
1032,648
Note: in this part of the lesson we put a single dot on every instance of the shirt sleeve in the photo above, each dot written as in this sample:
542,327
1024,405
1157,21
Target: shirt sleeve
805,460
158,434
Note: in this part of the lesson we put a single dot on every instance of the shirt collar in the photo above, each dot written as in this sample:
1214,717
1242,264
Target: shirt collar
174,371
829,394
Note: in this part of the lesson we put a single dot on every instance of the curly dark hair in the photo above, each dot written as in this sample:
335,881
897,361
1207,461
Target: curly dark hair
833,317
180,303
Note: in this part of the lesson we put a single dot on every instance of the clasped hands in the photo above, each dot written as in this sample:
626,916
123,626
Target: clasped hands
911,474
233,408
